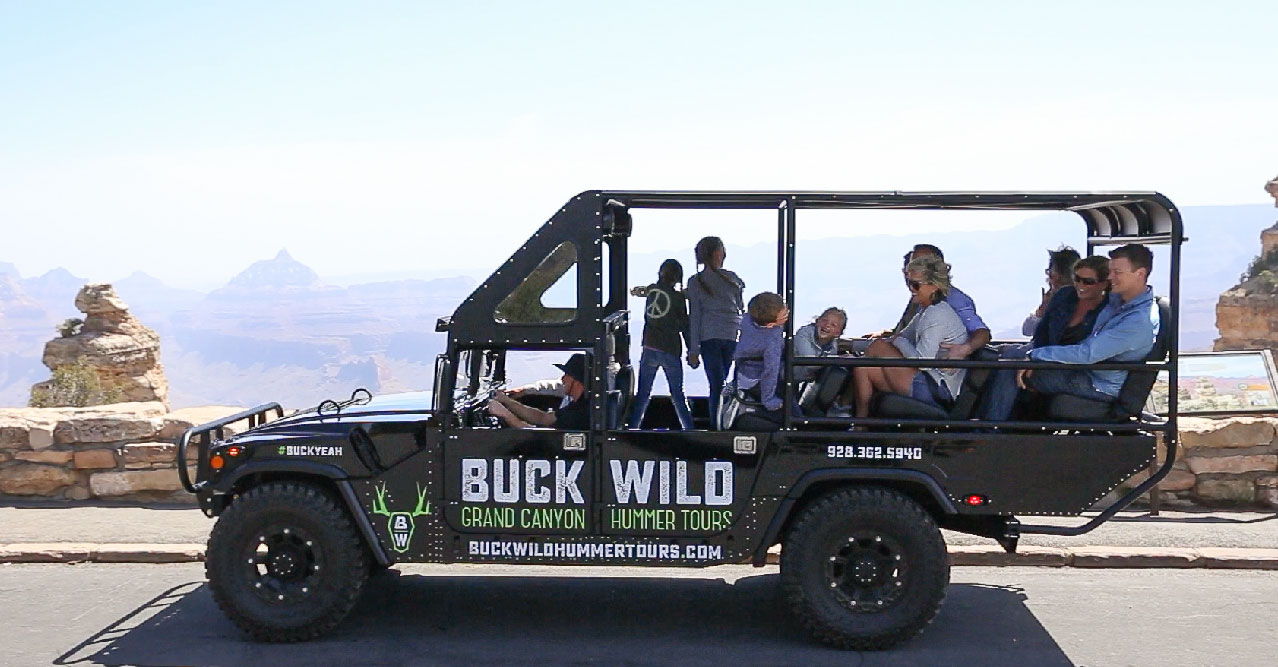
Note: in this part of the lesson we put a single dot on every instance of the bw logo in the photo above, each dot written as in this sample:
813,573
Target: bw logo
401,524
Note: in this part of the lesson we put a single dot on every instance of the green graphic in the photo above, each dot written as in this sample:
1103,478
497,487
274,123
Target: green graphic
281,450
401,524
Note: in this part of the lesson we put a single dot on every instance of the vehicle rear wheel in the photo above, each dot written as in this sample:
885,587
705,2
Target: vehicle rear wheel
864,568
285,563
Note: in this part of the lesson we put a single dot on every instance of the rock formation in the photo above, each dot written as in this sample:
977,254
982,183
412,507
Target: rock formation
122,352
1247,314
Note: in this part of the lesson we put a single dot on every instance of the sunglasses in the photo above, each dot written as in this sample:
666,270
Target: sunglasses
915,285
1085,281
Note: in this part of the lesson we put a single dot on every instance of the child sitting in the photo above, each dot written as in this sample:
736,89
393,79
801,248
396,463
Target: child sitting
761,347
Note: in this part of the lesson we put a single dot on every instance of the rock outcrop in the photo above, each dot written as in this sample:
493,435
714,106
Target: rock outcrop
1247,314
122,352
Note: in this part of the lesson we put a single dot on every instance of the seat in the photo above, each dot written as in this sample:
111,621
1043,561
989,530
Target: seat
742,410
1131,396
898,406
818,395
624,384
612,409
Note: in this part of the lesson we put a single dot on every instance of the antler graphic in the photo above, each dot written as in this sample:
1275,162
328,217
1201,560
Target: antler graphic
421,498
379,505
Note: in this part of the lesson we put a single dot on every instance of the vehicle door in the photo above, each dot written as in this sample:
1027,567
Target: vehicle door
676,483
534,481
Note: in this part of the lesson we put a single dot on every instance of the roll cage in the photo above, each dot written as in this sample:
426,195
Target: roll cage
597,225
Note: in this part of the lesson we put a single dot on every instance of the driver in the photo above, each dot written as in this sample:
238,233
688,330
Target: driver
573,416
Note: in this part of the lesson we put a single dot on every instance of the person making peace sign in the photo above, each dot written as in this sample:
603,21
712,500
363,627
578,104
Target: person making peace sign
665,319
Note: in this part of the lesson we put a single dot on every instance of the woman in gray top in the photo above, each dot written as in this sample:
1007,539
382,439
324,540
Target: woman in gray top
715,306
936,323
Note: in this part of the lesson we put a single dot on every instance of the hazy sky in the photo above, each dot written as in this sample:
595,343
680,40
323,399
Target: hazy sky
190,139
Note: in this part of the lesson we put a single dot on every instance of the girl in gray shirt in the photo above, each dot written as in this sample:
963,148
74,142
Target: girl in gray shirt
715,306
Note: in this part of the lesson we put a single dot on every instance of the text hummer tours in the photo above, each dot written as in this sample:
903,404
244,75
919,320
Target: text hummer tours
310,503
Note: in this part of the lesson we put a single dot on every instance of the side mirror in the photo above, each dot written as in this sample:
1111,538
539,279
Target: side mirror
443,392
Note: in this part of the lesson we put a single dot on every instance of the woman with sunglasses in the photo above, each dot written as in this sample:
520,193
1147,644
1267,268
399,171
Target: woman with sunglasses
1071,315
1068,320
936,323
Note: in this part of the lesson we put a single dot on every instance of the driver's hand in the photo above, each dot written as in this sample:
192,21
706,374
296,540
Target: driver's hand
954,351
694,360
1022,375
496,409
512,393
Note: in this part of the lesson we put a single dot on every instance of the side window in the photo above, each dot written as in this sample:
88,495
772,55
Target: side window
548,295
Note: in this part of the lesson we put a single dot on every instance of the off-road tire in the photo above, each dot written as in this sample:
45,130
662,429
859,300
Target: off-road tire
320,570
833,537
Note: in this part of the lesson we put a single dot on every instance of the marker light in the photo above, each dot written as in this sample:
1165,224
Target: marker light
976,500
216,462
234,450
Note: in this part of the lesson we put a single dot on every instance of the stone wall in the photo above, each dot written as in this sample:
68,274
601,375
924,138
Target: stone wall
127,451
1222,462
121,451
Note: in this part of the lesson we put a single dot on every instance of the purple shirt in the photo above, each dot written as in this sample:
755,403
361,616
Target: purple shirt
758,359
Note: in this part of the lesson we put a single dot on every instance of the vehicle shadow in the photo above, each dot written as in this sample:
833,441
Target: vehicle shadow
479,620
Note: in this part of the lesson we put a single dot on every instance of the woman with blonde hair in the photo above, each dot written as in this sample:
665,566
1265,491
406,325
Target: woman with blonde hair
936,323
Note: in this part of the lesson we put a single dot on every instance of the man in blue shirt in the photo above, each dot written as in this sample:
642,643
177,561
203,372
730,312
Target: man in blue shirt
1125,332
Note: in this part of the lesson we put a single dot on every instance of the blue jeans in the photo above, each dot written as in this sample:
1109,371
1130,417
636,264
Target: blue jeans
649,362
716,354
1000,389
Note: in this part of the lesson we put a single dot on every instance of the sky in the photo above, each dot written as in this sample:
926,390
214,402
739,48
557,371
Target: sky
191,139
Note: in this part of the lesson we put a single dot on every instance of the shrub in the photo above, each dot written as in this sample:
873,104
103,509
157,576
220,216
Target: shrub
1262,273
74,386
70,327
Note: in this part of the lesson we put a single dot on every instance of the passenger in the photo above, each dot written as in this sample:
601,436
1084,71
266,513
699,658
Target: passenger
818,339
761,349
575,415
978,333
1059,264
1071,316
1069,319
1125,331
934,325
715,305
665,319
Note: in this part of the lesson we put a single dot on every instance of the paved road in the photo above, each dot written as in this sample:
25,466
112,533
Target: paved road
468,615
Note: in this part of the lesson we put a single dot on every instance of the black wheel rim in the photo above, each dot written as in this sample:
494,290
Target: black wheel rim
283,564
866,572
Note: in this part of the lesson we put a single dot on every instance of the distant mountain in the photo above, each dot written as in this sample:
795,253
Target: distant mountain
276,332
278,272
153,302
55,290
7,269
24,326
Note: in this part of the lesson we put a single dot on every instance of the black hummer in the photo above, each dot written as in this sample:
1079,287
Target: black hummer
309,504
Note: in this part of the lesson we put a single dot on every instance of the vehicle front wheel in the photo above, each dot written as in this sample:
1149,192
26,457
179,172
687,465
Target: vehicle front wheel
864,568
285,563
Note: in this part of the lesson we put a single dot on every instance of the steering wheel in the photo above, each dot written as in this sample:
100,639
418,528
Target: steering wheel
473,410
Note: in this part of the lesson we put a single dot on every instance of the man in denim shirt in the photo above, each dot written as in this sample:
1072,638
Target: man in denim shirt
1125,331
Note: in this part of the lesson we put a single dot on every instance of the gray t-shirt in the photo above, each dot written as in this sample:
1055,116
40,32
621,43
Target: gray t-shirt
806,345
714,307
922,338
